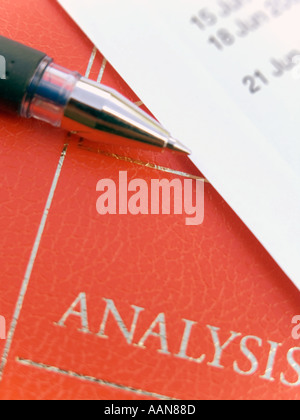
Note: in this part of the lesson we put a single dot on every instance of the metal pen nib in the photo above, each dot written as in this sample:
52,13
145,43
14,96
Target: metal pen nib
66,99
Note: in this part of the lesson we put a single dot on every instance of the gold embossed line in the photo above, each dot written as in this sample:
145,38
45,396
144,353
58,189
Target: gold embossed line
91,62
141,163
36,244
102,69
54,369
31,263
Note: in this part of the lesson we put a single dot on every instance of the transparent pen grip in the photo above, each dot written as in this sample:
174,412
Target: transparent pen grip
49,93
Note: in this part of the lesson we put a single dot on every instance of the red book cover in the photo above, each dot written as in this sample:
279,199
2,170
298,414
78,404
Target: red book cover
126,306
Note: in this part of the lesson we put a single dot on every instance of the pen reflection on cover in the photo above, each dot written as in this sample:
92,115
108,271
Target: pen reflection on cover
82,145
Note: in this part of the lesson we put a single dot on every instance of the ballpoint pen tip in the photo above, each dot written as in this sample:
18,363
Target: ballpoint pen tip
177,146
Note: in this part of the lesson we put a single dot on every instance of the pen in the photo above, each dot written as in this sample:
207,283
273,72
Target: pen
34,86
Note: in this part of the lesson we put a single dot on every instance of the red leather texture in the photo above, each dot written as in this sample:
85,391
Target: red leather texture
150,295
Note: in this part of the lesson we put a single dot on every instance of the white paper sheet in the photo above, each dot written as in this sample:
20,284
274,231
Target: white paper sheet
223,77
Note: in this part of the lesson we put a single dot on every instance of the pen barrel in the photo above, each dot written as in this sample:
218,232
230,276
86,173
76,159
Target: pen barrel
18,66
94,109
